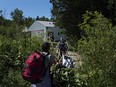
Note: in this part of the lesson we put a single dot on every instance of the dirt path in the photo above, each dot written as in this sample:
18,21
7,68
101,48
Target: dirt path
76,57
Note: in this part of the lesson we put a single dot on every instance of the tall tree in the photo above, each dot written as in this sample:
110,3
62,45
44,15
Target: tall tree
68,13
1,14
37,18
112,10
1,18
17,16
43,18
28,21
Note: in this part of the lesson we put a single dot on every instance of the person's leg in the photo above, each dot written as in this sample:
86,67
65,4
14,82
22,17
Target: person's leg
51,76
64,52
60,53
47,80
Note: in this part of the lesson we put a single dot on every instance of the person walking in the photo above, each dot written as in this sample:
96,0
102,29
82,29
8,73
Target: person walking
37,65
62,47
48,62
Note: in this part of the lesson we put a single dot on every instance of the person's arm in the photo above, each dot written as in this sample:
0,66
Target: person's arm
53,60
57,45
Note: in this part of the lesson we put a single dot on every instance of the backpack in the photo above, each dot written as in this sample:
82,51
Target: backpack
67,62
34,67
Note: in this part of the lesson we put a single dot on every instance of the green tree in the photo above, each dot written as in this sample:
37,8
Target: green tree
112,10
12,56
43,18
68,13
2,19
98,49
66,16
28,21
17,16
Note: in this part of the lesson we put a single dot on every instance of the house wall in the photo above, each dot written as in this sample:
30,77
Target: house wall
38,29
38,33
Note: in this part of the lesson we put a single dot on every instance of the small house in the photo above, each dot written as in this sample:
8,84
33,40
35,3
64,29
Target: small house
44,29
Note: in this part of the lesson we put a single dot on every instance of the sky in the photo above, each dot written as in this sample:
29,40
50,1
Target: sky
30,8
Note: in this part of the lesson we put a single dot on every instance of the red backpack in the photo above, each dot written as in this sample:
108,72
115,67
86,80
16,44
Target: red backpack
34,67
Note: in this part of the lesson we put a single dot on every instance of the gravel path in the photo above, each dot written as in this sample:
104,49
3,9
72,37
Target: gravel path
76,57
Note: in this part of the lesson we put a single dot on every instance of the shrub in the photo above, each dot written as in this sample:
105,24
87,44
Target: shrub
14,78
12,55
64,76
98,49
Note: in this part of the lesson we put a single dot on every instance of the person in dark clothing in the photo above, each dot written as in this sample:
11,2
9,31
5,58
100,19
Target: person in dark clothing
62,47
50,59
51,37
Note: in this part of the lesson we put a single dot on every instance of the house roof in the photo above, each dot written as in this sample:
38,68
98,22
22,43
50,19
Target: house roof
47,23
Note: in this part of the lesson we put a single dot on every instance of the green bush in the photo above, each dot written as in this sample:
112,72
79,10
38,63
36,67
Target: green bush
12,55
64,76
13,79
99,51
68,77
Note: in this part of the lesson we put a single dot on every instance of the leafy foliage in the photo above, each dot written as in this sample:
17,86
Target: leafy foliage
13,79
99,50
97,44
64,76
15,46
17,16
12,56
68,13
66,17
43,18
